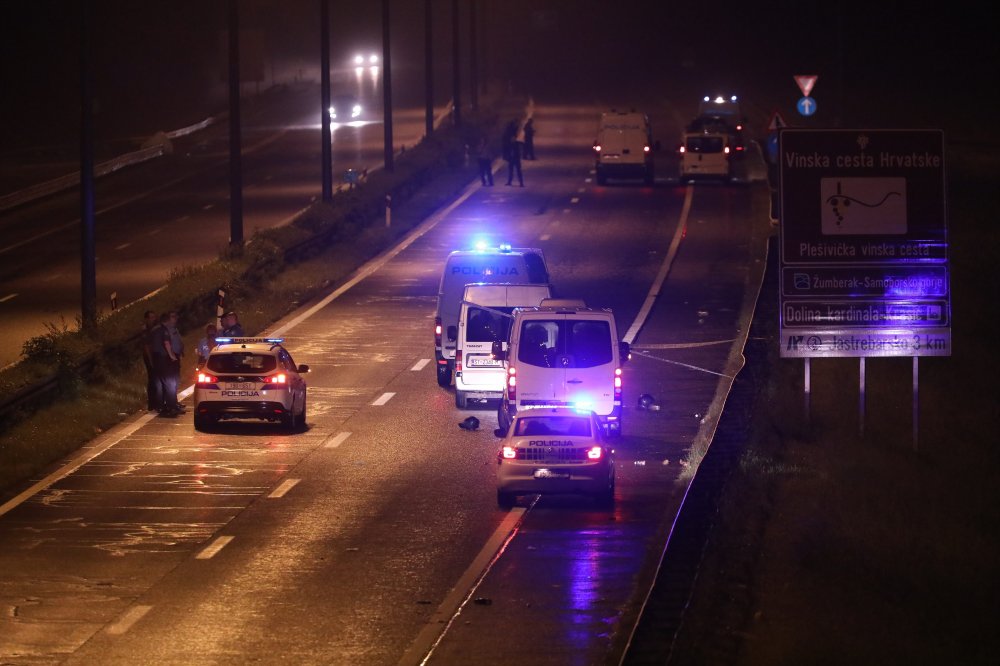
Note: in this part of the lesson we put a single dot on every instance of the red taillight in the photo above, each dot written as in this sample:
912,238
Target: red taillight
437,331
682,149
511,383
726,150
508,452
278,379
595,453
458,361
618,384
205,378
645,149
597,147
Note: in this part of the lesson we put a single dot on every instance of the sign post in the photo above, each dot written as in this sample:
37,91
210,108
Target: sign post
864,247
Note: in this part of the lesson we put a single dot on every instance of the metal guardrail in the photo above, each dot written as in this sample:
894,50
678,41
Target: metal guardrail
15,199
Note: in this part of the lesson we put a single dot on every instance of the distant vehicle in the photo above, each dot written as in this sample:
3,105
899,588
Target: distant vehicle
706,154
555,451
346,109
717,111
624,147
250,378
485,319
563,354
483,264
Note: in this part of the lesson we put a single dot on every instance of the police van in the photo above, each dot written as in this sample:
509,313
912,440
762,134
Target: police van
462,267
624,147
563,354
483,320
706,153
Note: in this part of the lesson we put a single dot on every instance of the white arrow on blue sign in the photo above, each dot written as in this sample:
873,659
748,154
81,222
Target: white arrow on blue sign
806,106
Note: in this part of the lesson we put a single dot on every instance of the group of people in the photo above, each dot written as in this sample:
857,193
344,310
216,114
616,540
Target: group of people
517,143
162,351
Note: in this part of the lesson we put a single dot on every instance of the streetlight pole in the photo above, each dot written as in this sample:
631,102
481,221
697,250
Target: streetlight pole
324,40
456,76
387,88
88,261
235,163
428,69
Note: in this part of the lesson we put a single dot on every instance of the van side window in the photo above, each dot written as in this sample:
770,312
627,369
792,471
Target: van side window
537,343
589,343
487,326
536,268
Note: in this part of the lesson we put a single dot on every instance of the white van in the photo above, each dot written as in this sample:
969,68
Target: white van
624,147
462,267
563,354
485,318
706,154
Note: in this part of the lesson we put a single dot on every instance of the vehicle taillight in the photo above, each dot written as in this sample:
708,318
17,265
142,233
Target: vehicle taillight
681,149
597,147
437,331
645,149
205,378
726,150
595,453
458,361
508,452
618,385
278,379
511,383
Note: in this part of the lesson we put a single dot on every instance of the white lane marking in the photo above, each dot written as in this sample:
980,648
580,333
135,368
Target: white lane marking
420,365
668,261
582,190
555,223
382,399
125,622
182,218
575,200
8,297
283,488
566,211
213,548
208,207
123,246
438,624
545,237
337,440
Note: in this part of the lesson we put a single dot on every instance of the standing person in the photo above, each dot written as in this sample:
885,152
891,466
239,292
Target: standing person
168,349
529,139
485,157
206,343
512,153
154,393
231,327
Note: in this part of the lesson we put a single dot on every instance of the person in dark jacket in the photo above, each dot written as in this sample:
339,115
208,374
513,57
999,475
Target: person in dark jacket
529,139
154,392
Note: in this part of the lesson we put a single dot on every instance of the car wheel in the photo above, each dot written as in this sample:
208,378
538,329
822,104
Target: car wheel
444,375
202,423
302,416
289,422
505,500
606,498
461,401
503,423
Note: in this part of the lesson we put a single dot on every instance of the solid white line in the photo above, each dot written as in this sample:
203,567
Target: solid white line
125,622
575,200
654,291
439,623
283,488
8,297
420,365
382,399
213,548
123,246
337,440
545,237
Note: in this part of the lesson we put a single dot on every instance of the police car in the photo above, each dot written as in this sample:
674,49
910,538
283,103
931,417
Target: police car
555,450
250,378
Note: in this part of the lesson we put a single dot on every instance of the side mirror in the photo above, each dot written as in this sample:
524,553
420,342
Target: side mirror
303,369
452,333
498,351
624,352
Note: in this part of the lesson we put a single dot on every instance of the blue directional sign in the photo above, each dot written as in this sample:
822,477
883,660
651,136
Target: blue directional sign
806,106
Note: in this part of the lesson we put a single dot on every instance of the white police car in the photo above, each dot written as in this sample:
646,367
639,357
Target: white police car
250,378
557,450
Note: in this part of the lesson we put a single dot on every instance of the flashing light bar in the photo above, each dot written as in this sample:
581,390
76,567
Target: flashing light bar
247,341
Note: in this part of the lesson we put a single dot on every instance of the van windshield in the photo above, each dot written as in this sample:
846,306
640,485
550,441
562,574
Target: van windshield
488,325
565,343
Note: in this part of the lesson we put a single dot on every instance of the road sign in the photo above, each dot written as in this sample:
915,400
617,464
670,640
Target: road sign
806,106
863,244
805,82
776,122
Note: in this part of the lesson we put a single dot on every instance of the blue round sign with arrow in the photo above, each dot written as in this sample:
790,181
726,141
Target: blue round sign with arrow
806,106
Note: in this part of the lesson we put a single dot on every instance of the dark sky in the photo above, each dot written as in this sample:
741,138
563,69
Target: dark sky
158,62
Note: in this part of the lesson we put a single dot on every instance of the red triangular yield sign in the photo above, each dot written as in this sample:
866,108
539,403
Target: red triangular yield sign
806,82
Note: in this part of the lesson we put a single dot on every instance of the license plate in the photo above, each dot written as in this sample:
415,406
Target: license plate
483,362
240,386
549,474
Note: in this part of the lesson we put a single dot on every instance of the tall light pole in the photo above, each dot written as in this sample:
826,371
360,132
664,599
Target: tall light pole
235,162
387,88
456,75
327,152
88,271
428,69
